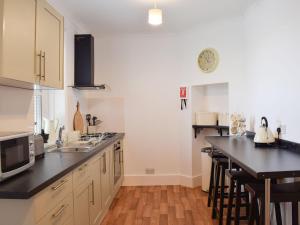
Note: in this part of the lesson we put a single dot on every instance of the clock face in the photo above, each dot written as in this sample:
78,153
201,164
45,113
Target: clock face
208,60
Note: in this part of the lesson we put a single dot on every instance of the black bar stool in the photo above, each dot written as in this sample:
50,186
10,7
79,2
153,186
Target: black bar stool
219,188
213,154
237,180
287,192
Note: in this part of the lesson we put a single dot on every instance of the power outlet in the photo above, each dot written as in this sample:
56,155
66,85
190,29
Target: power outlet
150,171
283,128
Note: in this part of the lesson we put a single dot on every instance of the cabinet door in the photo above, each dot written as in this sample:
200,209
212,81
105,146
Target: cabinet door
82,204
49,45
17,41
105,179
95,207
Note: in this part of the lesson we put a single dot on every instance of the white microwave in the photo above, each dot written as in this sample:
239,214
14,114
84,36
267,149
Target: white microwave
16,153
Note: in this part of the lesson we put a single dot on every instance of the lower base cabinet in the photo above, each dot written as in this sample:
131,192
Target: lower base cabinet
95,206
105,178
81,197
82,204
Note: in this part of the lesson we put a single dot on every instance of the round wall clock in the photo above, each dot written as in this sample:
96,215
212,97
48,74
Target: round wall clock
208,60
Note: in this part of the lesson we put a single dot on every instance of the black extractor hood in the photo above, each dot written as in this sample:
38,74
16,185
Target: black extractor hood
84,63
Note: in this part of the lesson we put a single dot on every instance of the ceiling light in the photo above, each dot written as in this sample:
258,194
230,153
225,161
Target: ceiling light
155,16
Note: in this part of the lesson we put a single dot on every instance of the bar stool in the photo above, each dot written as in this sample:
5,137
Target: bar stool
213,155
219,188
237,180
287,192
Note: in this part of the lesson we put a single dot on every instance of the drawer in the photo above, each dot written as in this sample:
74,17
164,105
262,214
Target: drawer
47,199
61,214
80,174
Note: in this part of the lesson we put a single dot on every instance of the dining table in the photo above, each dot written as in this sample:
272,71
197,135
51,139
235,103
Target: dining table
263,163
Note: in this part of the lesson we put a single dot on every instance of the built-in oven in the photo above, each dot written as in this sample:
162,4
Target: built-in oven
118,160
16,153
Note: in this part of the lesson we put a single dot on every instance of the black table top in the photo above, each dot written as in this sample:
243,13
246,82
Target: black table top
46,171
259,162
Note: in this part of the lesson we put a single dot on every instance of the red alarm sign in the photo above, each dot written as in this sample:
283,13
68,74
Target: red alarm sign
183,92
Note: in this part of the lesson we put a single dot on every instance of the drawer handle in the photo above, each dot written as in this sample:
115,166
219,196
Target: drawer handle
93,193
59,185
59,212
81,168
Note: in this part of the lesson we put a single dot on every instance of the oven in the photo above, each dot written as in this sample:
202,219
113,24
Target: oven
118,161
16,153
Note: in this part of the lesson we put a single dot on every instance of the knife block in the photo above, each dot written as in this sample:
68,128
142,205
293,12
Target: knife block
92,129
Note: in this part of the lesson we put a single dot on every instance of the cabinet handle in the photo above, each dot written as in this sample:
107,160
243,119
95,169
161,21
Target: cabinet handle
82,167
59,212
40,64
104,164
93,193
44,74
59,185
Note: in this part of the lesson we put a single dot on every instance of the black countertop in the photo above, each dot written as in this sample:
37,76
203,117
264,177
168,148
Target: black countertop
271,162
47,170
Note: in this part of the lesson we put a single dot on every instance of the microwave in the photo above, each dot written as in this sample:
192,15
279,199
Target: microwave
16,153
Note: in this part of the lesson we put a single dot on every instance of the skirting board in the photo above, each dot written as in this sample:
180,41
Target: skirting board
163,179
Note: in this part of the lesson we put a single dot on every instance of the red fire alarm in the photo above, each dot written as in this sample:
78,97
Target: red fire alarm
183,92
183,96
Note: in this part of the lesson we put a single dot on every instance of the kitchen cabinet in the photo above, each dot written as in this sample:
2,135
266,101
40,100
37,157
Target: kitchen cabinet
49,45
17,40
81,197
106,177
95,206
82,203
31,44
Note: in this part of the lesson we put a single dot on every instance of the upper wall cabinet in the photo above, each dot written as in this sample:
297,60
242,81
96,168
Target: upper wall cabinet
17,40
31,44
49,45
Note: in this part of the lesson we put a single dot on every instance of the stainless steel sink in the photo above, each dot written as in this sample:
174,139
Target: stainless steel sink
74,149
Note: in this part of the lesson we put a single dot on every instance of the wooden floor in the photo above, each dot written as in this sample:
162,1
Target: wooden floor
159,205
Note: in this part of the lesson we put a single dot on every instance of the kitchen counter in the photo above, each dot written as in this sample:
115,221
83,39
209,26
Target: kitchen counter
47,170
263,162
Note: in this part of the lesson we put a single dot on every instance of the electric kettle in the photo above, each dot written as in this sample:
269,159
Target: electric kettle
263,136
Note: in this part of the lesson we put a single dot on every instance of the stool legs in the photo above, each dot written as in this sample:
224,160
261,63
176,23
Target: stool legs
295,213
230,202
216,191
278,214
211,183
253,213
237,204
221,207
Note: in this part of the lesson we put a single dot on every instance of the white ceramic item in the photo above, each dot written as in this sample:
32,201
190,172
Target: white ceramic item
206,118
223,119
264,134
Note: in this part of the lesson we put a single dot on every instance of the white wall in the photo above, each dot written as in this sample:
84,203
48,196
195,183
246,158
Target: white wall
272,30
16,109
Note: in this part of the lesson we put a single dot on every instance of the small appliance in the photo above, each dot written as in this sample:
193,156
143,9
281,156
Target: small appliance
16,153
39,146
264,136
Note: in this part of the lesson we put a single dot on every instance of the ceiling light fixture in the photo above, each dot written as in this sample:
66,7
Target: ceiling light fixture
155,15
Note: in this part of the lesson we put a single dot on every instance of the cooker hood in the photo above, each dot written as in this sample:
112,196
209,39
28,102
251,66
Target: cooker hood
84,63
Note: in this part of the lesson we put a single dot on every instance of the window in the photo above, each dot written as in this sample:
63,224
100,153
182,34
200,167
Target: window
49,112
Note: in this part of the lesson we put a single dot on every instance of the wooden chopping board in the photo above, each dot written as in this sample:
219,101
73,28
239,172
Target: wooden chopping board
78,120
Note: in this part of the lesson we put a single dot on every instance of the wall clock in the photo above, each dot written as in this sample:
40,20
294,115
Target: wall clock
208,60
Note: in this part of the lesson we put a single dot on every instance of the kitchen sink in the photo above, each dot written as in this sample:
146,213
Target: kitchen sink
74,149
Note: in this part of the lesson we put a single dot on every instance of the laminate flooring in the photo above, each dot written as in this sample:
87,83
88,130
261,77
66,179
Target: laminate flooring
159,205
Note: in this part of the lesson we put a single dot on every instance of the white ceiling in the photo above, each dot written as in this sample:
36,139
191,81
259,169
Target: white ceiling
109,17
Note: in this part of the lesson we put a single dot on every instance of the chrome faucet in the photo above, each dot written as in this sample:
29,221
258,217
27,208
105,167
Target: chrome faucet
59,141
